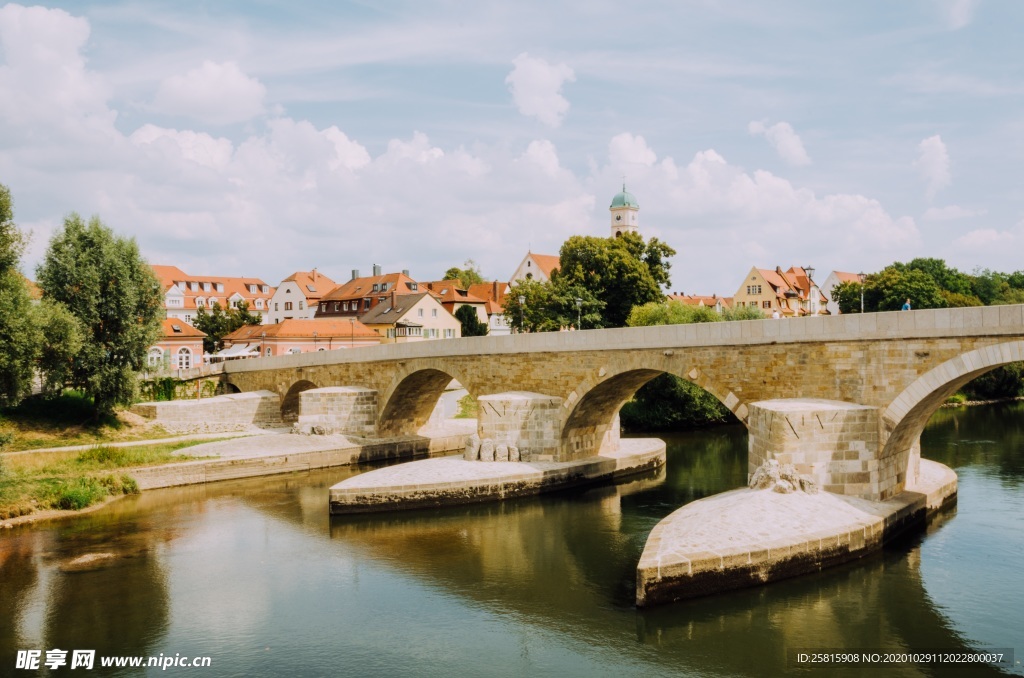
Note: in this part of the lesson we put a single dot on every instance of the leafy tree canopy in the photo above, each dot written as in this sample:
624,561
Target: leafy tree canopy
620,272
217,323
12,240
469,275
471,325
105,283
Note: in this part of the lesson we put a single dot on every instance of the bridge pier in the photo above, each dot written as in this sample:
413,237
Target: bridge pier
835,443
530,421
338,409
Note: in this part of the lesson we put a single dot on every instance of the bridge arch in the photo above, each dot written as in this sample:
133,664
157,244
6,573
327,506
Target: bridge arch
290,402
412,396
905,417
585,426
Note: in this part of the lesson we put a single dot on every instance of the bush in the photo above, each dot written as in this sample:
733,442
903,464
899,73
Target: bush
957,398
668,402
1003,382
77,493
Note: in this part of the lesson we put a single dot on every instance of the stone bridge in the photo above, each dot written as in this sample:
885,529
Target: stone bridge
883,375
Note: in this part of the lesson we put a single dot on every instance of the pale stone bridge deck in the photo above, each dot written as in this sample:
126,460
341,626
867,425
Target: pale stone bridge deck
899,367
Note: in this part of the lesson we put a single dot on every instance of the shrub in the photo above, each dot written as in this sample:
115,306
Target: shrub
957,398
77,493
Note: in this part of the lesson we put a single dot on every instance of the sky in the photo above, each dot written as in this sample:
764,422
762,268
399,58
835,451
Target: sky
257,138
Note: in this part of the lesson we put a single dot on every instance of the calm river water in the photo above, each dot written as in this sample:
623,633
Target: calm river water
255,575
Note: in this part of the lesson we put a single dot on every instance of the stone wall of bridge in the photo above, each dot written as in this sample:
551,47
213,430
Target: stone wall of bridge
906,361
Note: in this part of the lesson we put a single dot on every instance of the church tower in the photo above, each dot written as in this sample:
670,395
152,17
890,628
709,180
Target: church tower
624,210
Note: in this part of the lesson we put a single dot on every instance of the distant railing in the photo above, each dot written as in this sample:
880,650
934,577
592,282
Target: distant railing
198,372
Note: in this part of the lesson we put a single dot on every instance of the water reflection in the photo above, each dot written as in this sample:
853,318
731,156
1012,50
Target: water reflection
256,574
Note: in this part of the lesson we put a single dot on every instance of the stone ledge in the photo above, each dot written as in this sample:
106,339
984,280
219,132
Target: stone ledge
452,480
750,537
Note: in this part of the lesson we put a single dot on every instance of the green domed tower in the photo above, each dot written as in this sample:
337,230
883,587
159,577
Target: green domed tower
624,210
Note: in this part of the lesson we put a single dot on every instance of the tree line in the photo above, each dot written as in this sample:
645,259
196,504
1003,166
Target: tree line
100,310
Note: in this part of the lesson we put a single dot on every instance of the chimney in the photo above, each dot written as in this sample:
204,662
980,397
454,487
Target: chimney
405,272
355,273
314,274
376,269
495,290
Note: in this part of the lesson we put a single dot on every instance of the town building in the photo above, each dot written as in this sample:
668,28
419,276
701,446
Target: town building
298,335
453,297
361,295
793,293
298,296
834,280
493,294
184,294
625,213
180,347
714,301
537,267
401,318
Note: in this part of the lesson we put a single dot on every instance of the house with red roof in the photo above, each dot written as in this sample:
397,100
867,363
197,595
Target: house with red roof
537,267
298,296
361,294
834,280
793,293
298,335
493,294
714,301
180,347
453,297
184,294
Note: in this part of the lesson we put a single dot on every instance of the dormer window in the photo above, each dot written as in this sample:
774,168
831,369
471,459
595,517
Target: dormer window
376,287
252,289
220,287
266,289
176,328
206,287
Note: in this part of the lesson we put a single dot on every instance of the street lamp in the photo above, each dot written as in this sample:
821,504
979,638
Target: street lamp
352,336
314,341
522,302
862,279
579,311
811,308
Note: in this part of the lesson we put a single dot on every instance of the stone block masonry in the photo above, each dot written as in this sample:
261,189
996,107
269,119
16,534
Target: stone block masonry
833,442
234,412
339,409
528,421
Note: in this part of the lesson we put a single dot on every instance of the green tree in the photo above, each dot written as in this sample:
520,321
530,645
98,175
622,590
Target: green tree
532,315
743,313
64,338
847,295
218,323
471,325
469,275
890,288
668,402
620,272
19,334
949,279
105,283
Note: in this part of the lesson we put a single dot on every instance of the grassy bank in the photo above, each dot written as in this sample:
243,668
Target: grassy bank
39,481
67,420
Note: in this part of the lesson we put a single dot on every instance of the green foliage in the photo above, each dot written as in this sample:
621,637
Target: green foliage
471,325
668,402
65,337
105,283
551,306
671,312
957,300
470,275
1002,382
77,493
12,240
619,272
159,389
889,289
217,323
743,313
958,398
848,295
20,338
948,279
468,407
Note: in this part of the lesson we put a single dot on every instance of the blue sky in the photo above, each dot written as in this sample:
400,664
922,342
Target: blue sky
260,138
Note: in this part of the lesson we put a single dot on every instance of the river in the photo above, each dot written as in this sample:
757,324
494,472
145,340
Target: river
255,575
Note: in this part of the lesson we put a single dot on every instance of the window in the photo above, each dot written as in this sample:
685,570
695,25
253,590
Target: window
266,289
288,290
419,312
414,286
252,289
300,306
344,305
336,306
366,305
200,302
188,318
321,349
220,287
275,306
433,313
753,289
767,304
449,334
155,358
174,301
206,287
323,308
184,358
270,351
287,305
376,287
259,303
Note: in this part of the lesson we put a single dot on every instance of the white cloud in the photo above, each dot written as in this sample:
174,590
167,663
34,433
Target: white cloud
213,93
626,150
933,163
959,13
785,141
536,88
197,147
950,213
543,154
